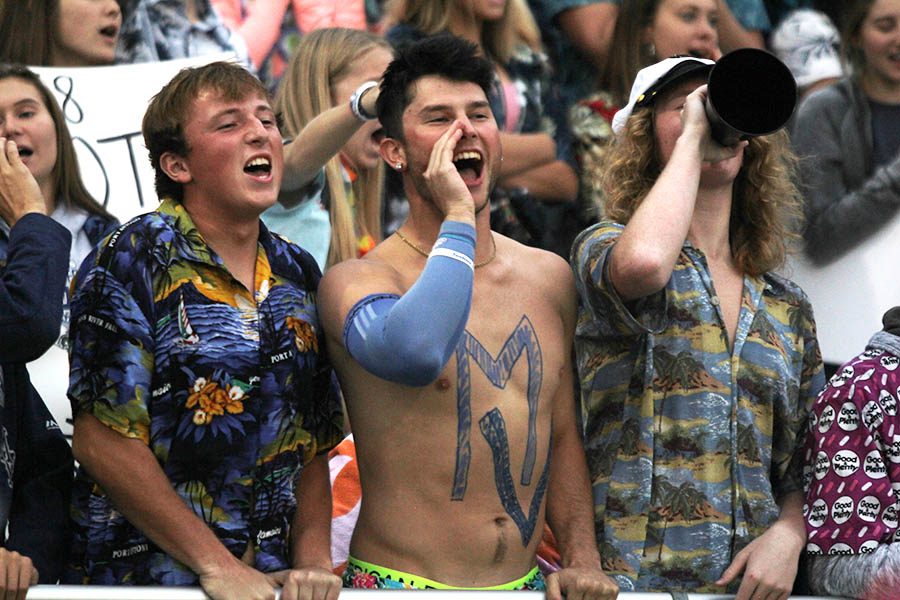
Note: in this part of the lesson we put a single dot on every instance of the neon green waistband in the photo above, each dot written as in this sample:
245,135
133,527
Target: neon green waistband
414,581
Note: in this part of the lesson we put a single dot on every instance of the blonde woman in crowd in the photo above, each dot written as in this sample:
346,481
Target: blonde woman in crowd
330,203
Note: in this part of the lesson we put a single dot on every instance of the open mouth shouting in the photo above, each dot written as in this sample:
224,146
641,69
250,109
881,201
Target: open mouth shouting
259,168
110,33
470,164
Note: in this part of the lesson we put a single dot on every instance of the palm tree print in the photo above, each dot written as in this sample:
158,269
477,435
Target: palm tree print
684,500
681,372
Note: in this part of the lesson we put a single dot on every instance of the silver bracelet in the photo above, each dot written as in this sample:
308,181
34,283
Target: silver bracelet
356,102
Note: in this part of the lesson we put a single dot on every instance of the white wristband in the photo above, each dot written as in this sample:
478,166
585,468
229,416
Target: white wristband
356,102
455,255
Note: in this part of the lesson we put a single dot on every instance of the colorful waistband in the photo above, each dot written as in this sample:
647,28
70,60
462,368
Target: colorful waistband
363,575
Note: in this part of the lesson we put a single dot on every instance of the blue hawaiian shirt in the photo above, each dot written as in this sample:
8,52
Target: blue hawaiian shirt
231,390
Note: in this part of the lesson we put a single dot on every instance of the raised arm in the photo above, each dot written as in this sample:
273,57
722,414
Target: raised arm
321,139
33,282
643,258
590,28
408,336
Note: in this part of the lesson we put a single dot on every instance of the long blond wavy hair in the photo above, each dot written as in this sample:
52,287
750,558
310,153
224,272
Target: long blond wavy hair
766,207
322,59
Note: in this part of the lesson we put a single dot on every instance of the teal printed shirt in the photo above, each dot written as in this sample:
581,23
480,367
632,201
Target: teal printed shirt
690,444
229,388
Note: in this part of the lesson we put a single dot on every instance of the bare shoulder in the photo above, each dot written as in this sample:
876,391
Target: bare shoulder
344,284
545,272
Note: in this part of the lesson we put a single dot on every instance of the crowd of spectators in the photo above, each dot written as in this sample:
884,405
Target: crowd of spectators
697,370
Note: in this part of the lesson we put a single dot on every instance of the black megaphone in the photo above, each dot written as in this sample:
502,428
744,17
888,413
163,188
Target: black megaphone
750,93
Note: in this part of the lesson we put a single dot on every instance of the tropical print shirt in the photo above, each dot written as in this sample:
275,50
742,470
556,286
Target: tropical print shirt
229,388
690,444
853,455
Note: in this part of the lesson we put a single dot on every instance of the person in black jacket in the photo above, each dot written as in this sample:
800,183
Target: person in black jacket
36,465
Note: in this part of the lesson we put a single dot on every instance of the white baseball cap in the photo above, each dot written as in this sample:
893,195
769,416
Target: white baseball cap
652,80
807,42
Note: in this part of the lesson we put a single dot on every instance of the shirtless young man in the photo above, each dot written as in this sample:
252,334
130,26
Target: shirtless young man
456,369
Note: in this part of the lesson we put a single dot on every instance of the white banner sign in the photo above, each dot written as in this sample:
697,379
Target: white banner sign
850,295
103,108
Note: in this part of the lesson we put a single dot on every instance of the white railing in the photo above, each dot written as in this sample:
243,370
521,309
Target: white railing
87,592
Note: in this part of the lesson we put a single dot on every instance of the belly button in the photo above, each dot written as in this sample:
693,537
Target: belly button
443,383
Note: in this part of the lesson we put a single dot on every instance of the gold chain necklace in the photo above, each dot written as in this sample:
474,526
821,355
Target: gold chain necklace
418,249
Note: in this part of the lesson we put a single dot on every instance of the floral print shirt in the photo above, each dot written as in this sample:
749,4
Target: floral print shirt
229,388
591,122
690,444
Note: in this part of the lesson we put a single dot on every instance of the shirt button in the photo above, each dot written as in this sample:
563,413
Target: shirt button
715,300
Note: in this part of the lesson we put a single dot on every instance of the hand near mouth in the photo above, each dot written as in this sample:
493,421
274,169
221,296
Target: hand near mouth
19,191
694,115
445,184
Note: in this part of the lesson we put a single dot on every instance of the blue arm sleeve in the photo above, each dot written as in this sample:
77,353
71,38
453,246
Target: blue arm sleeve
409,339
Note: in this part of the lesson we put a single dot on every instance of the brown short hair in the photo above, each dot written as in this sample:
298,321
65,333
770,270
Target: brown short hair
169,109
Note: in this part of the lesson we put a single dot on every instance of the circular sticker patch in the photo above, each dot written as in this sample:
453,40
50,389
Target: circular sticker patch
845,463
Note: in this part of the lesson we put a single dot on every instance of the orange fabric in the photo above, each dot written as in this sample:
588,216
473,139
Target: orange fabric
346,491
547,548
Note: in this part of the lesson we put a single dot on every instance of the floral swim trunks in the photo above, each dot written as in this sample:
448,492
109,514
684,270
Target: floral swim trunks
364,575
